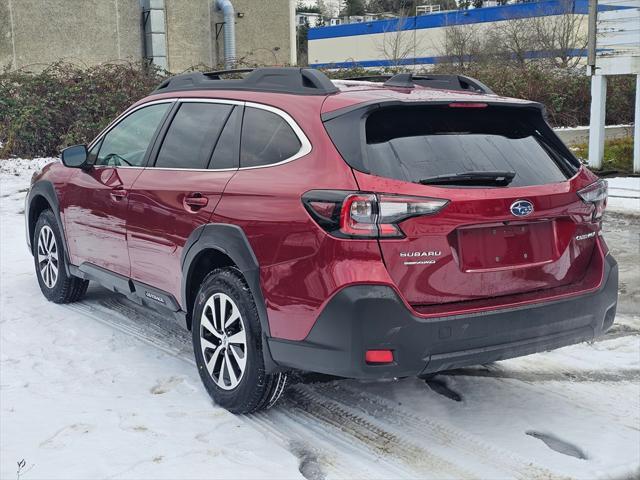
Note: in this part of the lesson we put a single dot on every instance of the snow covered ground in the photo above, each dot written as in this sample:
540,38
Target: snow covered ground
624,194
107,389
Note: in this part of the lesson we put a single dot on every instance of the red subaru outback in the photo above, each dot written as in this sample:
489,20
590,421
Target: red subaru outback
352,228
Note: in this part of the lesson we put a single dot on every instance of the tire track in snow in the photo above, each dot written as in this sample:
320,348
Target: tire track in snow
285,424
352,433
299,418
398,456
477,454
536,377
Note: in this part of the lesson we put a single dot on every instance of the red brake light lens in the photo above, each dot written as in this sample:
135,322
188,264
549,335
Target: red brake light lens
366,215
358,216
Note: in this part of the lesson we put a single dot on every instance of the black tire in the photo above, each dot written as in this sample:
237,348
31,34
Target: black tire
256,389
66,288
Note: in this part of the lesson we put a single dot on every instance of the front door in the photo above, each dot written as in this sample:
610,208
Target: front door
95,202
179,191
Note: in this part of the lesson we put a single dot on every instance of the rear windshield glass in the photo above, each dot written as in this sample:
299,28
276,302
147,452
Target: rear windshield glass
418,143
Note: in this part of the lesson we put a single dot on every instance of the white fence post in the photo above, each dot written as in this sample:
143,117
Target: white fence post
596,122
636,129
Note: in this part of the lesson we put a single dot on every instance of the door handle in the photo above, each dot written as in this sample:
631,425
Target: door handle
118,193
195,201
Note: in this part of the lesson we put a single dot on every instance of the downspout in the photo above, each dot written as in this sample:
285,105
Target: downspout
229,16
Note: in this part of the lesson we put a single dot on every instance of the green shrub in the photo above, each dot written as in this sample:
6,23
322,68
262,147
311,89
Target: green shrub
618,154
63,105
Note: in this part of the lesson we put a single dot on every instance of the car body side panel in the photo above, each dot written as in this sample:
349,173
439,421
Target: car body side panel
160,222
96,219
299,262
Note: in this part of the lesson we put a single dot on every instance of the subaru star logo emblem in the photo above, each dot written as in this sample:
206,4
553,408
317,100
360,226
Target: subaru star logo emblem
522,208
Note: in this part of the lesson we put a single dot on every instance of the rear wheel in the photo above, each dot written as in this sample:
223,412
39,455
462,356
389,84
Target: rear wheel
227,342
49,256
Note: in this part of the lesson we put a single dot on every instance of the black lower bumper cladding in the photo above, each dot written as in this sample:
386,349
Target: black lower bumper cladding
372,317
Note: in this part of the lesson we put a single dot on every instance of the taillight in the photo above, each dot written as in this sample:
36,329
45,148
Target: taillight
595,194
366,215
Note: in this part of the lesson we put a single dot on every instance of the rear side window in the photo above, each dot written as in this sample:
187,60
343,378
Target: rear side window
192,136
266,139
418,143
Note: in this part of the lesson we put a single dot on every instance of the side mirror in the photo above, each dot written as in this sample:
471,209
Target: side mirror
75,156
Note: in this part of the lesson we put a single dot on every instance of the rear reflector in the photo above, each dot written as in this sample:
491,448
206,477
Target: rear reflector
468,105
379,356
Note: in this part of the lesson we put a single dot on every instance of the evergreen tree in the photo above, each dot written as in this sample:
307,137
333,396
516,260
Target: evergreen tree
353,7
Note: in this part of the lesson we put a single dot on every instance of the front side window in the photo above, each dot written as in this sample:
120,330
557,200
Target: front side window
266,139
126,144
193,134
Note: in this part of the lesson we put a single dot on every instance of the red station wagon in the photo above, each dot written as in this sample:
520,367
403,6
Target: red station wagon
367,228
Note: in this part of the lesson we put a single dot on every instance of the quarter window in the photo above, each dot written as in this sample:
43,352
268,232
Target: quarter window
266,139
126,144
193,134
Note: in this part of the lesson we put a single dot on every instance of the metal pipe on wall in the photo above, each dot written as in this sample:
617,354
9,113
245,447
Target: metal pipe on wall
229,15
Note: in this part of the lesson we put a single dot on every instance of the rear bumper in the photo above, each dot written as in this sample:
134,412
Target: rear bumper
364,317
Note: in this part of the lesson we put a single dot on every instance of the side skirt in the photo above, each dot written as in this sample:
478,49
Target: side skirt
139,292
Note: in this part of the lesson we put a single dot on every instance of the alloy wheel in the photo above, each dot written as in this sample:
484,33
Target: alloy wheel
48,262
223,340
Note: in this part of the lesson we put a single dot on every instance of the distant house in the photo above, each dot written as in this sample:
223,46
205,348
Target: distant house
311,19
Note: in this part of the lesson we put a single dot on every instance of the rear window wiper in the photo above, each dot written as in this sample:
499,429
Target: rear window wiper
471,178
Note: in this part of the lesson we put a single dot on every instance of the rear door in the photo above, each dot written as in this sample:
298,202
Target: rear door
192,162
495,237
96,199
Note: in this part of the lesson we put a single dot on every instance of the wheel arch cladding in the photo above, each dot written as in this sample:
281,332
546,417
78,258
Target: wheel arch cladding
228,243
43,196
37,205
220,245
205,261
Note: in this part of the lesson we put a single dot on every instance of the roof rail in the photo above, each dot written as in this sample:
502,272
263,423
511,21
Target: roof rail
438,81
300,81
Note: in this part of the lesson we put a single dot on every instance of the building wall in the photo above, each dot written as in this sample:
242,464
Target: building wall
38,32
189,37
89,32
264,33
422,38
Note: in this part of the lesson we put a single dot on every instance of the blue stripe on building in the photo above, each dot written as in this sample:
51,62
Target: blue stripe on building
459,17
429,60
